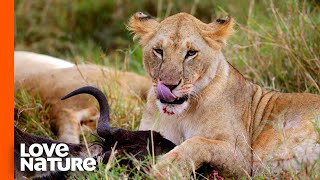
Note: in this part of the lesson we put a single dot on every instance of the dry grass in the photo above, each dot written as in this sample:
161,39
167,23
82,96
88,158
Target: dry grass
282,53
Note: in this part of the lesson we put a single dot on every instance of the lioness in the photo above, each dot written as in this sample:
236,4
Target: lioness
211,111
52,78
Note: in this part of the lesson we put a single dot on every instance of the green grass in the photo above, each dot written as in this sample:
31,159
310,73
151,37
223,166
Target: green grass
32,114
276,45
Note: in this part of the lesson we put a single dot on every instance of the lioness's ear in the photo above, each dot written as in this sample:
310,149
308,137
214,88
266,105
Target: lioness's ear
142,26
219,31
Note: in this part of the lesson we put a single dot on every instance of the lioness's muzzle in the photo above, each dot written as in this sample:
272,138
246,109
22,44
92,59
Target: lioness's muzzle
164,93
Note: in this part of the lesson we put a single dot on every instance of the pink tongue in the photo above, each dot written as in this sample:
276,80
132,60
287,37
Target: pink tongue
165,93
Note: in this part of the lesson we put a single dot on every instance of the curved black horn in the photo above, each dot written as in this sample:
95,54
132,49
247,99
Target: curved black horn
103,127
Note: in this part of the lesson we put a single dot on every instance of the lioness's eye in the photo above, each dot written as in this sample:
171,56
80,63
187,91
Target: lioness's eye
191,53
159,51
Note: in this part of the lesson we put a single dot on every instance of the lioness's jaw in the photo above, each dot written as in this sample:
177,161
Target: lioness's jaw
172,100
172,109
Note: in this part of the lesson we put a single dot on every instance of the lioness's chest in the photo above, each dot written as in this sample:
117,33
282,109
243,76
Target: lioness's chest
178,129
171,129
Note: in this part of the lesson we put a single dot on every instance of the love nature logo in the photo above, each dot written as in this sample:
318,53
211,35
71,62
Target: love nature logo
44,157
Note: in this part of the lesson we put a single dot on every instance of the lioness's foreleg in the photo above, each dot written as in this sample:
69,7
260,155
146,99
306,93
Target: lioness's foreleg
196,151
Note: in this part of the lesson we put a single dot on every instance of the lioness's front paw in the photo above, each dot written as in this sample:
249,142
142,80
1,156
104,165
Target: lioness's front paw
173,165
165,166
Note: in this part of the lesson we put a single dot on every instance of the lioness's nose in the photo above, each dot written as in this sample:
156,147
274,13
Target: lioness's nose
172,86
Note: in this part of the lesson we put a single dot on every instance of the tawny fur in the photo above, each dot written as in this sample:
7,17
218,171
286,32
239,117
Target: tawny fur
227,121
26,63
56,81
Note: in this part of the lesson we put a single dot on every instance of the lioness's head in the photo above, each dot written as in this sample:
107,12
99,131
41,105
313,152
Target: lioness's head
181,54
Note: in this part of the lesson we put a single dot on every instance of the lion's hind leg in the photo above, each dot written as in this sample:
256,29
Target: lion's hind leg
68,123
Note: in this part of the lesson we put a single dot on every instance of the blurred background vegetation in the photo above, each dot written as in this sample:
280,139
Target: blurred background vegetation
277,43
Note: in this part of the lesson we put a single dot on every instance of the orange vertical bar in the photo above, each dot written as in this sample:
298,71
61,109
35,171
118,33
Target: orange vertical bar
6,87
